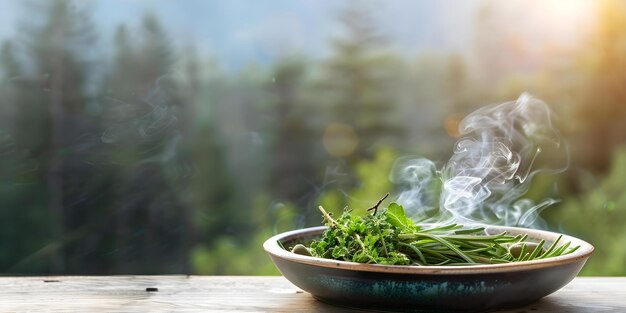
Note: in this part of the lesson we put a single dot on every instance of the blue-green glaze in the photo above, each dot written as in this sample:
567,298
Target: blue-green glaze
474,292
425,291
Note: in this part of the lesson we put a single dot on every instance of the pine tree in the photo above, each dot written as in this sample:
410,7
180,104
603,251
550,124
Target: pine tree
292,152
49,97
146,133
358,82
22,197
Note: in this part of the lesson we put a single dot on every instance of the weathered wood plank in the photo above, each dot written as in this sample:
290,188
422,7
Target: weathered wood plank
240,294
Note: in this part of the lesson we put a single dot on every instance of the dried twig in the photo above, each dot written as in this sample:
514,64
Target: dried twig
375,207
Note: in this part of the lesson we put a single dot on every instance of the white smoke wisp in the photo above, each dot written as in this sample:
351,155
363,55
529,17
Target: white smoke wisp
421,183
490,170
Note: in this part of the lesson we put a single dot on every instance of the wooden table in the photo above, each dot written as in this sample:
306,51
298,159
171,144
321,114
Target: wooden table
240,294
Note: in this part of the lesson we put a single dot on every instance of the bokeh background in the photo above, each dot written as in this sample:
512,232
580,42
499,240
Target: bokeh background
176,136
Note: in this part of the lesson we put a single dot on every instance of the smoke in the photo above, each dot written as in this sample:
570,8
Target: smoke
490,170
145,121
420,180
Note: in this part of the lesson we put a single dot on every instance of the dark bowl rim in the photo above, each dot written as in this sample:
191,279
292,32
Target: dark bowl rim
272,247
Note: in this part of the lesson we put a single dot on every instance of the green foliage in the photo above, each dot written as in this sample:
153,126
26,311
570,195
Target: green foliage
234,254
231,255
598,216
373,177
396,217
27,251
391,238
370,239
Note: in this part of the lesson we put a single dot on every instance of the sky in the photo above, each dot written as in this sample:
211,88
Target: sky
239,32
242,31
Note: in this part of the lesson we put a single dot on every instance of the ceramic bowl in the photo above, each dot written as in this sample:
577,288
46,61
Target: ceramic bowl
427,288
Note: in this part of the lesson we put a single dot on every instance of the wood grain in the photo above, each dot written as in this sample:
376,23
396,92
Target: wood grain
240,294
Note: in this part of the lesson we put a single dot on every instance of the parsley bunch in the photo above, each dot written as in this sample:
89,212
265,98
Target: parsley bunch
390,237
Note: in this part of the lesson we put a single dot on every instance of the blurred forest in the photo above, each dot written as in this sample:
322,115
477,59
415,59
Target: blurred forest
149,157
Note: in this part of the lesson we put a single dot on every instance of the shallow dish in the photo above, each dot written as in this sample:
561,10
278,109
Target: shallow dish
427,288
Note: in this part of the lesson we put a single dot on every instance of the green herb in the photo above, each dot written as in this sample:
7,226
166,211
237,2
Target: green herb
390,237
